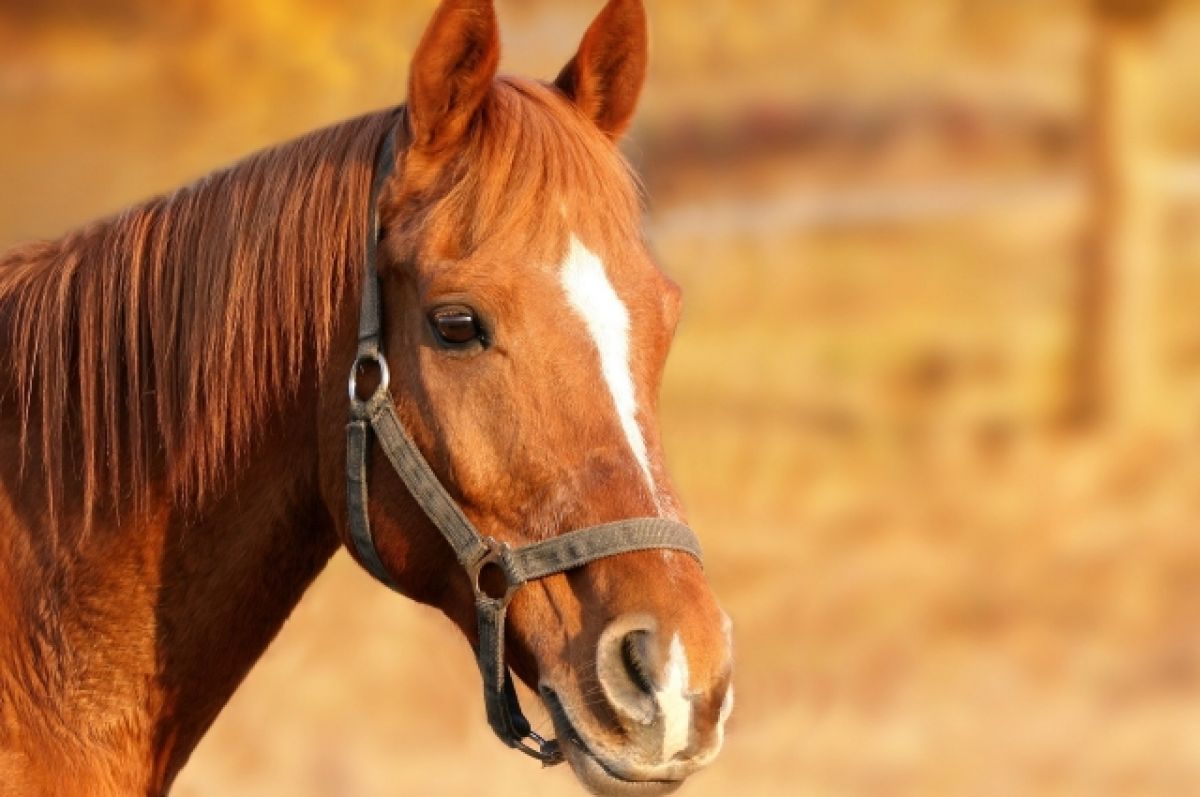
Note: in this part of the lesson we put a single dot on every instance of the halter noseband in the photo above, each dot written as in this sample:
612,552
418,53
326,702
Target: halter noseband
475,552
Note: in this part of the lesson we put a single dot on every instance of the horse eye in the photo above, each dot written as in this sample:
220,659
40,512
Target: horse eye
456,326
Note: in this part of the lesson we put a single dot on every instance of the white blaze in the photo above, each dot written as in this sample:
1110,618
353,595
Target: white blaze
592,296
674,703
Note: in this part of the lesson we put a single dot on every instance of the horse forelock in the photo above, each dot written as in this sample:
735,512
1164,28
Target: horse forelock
531,170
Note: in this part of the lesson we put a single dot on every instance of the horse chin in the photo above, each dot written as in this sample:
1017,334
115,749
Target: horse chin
598,776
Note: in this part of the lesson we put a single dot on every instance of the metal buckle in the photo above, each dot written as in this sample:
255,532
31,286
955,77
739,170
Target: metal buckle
494,555
548,751
385,375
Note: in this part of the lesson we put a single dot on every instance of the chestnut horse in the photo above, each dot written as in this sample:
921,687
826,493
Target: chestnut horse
173,417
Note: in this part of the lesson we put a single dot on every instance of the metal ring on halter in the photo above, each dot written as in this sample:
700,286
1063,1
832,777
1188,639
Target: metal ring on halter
547,751
385,375
494,556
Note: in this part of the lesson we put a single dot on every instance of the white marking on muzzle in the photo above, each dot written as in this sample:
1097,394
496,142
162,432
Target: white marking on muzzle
592,296
673,702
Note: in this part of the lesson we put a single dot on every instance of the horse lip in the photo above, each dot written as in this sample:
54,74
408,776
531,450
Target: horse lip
569,734
563,726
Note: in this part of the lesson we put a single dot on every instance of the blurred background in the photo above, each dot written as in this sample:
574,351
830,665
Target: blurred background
934,406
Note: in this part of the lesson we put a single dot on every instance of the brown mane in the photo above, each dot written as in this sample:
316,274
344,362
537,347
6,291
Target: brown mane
154,340
199,310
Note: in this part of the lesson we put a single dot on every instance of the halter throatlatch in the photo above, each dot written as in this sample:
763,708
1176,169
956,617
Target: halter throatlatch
376,416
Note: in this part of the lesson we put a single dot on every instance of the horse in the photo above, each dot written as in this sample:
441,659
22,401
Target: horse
175,450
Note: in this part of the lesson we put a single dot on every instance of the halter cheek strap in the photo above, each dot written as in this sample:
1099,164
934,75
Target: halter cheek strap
376,418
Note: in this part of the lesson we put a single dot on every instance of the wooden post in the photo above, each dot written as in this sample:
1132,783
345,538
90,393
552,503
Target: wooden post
1118,351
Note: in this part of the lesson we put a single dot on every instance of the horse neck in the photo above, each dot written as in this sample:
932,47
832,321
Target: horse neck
120,648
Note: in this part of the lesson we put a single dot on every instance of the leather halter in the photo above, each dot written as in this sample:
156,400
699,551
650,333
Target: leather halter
377,416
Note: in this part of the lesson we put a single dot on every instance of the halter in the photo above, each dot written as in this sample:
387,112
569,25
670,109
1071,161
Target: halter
475,552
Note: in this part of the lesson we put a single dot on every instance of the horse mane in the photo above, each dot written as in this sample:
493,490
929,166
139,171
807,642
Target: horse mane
153,343
156,339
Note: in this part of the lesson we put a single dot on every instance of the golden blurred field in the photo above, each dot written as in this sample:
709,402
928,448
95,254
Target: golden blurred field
940,584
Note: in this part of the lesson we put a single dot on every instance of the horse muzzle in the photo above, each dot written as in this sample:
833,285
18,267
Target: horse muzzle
646,725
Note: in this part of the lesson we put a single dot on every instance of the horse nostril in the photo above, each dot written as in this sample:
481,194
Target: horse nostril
626,667
636,653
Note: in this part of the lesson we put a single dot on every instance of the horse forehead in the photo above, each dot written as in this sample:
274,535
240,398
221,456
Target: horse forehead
621,258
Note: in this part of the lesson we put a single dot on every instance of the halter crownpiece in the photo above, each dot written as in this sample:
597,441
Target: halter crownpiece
376,416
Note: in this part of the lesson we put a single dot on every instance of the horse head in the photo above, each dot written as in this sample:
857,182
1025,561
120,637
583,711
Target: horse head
527,327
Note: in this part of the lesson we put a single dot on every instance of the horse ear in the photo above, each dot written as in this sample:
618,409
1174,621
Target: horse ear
452,72
606,76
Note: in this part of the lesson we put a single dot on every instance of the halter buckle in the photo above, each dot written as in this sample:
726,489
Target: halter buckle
547,751
496,554
385,375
